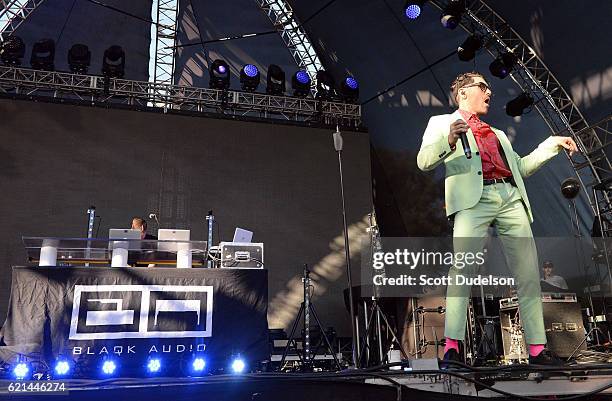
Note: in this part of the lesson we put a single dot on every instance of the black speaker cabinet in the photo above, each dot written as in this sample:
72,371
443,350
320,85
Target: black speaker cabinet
562,322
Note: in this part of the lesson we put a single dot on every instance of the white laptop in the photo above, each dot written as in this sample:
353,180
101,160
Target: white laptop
242,235
124,233
170,234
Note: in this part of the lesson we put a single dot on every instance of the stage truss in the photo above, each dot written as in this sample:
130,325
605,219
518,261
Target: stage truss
92,89
293,34
163,34
13,13
592,165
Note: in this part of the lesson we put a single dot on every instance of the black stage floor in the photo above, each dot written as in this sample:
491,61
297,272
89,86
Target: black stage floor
348,385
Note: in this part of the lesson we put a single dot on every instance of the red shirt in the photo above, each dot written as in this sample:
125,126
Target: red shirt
493,164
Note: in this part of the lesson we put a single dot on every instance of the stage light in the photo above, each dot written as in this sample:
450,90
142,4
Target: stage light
79,58
349,90
113,63
467,50
502,65
325,86
275,80
12,51
300,83
62,368
21,371
451,15
570,188
219,75
43,55
517,106
198,364
238,365
412,8
249,78
154,365
108,367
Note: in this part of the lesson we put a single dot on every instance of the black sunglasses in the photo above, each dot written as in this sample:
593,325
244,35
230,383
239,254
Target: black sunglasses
482,85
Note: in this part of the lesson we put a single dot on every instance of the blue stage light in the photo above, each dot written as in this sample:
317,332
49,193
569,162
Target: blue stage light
221,69
413,11
250,70
154,365
351,83
109,367
238,365
21,370
199,364
62,368
302,77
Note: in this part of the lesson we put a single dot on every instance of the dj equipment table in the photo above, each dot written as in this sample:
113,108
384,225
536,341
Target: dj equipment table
89,314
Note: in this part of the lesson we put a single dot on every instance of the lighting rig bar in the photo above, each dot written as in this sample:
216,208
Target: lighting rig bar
552,101
99,89
294,35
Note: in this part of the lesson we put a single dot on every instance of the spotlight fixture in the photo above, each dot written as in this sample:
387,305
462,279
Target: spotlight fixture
412,8
349,90
21,371
467,50
502,65
198,364
12,51
276,80
451,15
113,63
109,367
79,58
219,75
517,106
325,85
43,55
249,78
570,188
62,368
238,365
300,83
154,365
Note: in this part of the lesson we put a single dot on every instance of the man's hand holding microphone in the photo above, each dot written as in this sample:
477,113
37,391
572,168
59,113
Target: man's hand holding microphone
458,130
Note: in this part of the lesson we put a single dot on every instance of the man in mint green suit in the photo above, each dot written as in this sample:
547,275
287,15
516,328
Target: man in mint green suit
488,189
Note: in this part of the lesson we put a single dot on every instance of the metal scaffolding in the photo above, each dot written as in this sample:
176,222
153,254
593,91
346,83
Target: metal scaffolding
163,36
92,89
553,103
13,13
293,34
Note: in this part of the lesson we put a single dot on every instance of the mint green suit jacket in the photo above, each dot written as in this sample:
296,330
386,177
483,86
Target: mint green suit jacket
463,183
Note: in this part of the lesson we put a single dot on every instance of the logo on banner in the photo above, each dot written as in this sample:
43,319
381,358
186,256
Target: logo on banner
101,312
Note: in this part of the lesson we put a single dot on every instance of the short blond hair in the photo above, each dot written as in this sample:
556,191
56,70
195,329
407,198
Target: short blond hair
139,222
462,80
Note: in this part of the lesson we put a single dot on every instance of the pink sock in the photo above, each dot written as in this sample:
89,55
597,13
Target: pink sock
535,349
451,344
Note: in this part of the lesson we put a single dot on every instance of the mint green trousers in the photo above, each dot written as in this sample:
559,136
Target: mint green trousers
500,205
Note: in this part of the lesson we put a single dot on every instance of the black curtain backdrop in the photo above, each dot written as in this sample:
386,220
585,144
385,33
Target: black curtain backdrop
280,181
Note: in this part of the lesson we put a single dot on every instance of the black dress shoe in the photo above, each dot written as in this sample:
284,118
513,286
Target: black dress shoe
546,358
451,355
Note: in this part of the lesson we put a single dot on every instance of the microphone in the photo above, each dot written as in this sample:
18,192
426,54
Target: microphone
338,142
466,145
154,216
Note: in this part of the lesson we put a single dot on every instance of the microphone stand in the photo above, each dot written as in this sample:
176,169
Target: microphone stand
338,144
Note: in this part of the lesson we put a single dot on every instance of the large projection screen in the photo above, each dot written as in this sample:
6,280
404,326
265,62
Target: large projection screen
280,181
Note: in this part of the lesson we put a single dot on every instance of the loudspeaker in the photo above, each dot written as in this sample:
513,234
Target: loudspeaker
562,322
